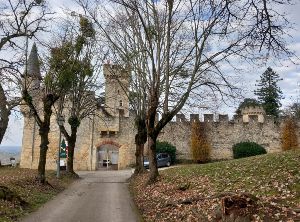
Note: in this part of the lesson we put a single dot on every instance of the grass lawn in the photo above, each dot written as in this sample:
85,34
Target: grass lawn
31,193
260,188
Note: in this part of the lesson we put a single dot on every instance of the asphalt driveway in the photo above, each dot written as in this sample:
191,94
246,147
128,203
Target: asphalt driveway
98,196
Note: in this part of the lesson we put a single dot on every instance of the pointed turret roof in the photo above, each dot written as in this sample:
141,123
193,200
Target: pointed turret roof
33,64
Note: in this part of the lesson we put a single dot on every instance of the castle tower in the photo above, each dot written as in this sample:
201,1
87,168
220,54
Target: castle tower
31,81
32,75
116,90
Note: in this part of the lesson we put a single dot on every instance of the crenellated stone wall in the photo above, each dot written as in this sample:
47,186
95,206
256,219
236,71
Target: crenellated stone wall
223,134
113,125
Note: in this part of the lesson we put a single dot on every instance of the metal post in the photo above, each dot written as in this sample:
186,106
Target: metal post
58,156
60,122
106,158
92,143
33,139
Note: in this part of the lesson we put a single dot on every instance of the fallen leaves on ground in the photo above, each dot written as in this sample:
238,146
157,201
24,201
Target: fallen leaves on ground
198,192
29,193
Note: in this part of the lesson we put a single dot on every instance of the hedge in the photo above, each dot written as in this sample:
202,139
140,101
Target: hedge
246,149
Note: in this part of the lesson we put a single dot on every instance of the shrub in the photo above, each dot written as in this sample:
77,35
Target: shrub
246,149
289,135
200,146
165,147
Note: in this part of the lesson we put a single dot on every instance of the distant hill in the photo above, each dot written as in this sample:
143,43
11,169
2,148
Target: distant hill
6,152
10,149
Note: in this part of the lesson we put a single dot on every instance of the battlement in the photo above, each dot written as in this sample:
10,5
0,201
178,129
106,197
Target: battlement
112,71
221,118
253,110
180,118
208,117
194,117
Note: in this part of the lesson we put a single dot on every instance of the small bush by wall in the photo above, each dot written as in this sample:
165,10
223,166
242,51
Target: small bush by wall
246,149
165,147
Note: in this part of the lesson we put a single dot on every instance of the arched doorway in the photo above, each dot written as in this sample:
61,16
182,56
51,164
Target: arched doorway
108,156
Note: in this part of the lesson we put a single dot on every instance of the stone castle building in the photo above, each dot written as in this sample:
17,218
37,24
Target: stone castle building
109,134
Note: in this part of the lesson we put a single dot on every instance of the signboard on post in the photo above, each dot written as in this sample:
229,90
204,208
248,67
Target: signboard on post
63,149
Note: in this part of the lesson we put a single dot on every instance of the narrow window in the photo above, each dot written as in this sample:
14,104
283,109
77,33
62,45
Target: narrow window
121,103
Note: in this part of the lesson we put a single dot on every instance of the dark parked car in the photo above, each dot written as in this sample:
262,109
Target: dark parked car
163,159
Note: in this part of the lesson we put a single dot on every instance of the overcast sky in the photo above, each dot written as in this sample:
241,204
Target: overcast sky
290,72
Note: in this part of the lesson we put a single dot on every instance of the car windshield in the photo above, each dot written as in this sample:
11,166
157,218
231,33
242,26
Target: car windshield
146,158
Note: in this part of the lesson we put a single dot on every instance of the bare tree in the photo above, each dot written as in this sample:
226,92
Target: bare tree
137,95
182,45
40,93
79,57
19,19
6,105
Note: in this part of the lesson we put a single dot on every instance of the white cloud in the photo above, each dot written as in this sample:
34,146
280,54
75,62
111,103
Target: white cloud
287,70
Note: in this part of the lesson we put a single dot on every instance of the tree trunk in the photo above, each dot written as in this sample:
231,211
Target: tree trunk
44,127
152,161
142,155
43,132
152,136
48,102
71,148
140,140
139,157
4,113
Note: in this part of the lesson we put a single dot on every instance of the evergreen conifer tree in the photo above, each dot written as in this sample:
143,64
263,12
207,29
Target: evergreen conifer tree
269,93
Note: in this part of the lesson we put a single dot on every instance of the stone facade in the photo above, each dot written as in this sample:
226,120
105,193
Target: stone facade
116,93
249,111
223,134
89,141
109,134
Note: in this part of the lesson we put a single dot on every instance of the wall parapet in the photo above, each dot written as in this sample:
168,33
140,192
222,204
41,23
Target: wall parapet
180,118
194,117
208,117
224,118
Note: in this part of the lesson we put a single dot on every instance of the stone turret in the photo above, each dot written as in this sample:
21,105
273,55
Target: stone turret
32,75
250,111
32,82
116,90
33,64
